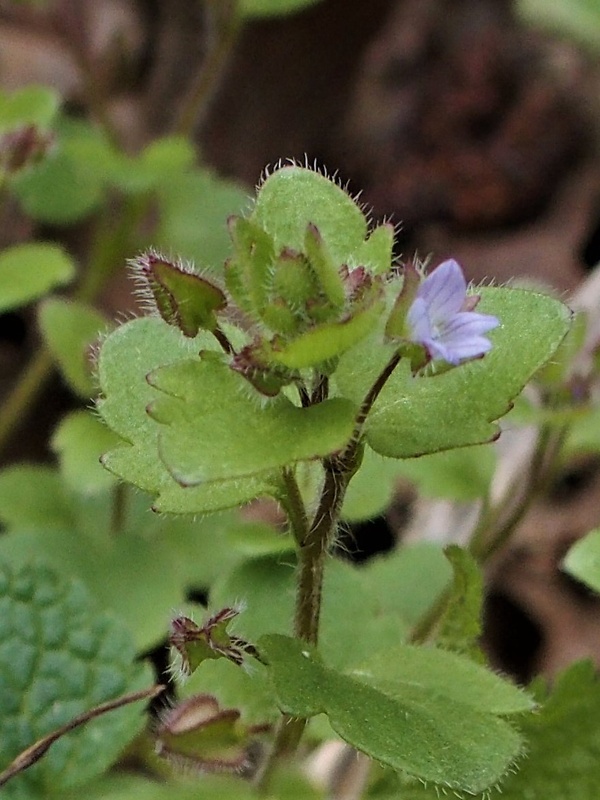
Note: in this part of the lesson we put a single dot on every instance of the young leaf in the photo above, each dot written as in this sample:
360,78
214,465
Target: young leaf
28,271
326,341
213,430
69,329
429,736
417,416
583,560
293,197
59,658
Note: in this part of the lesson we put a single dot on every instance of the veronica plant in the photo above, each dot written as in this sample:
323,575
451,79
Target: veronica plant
312,354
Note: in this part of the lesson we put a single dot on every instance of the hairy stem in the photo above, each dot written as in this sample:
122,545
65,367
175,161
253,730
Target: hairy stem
294,507
313,542
312,552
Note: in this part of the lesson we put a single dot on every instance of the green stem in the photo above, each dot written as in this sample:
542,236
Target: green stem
294,506
495,526
426,625
313,542
288,735
24,394
313,550
112,245
119,508
224,24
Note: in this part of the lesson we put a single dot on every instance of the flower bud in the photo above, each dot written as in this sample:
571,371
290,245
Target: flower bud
197,733
181,296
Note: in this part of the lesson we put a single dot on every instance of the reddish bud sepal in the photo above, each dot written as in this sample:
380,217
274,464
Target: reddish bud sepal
194,644
181,296
268,379
197,733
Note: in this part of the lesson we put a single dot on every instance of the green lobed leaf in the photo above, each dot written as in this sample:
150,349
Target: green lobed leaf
59,658
460,625
583,560
429,736
417,416
79,441
28,271
563,744
215,430
127,356
69,329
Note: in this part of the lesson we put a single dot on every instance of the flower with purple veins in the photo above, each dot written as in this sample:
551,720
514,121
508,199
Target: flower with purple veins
441,317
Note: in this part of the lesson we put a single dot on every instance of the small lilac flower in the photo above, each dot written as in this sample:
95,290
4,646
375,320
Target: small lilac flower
441,317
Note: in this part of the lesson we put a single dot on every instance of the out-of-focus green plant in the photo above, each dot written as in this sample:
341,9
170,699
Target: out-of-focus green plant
311,369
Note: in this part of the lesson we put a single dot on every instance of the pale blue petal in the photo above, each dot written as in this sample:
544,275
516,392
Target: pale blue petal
418,321
443,291
466,324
